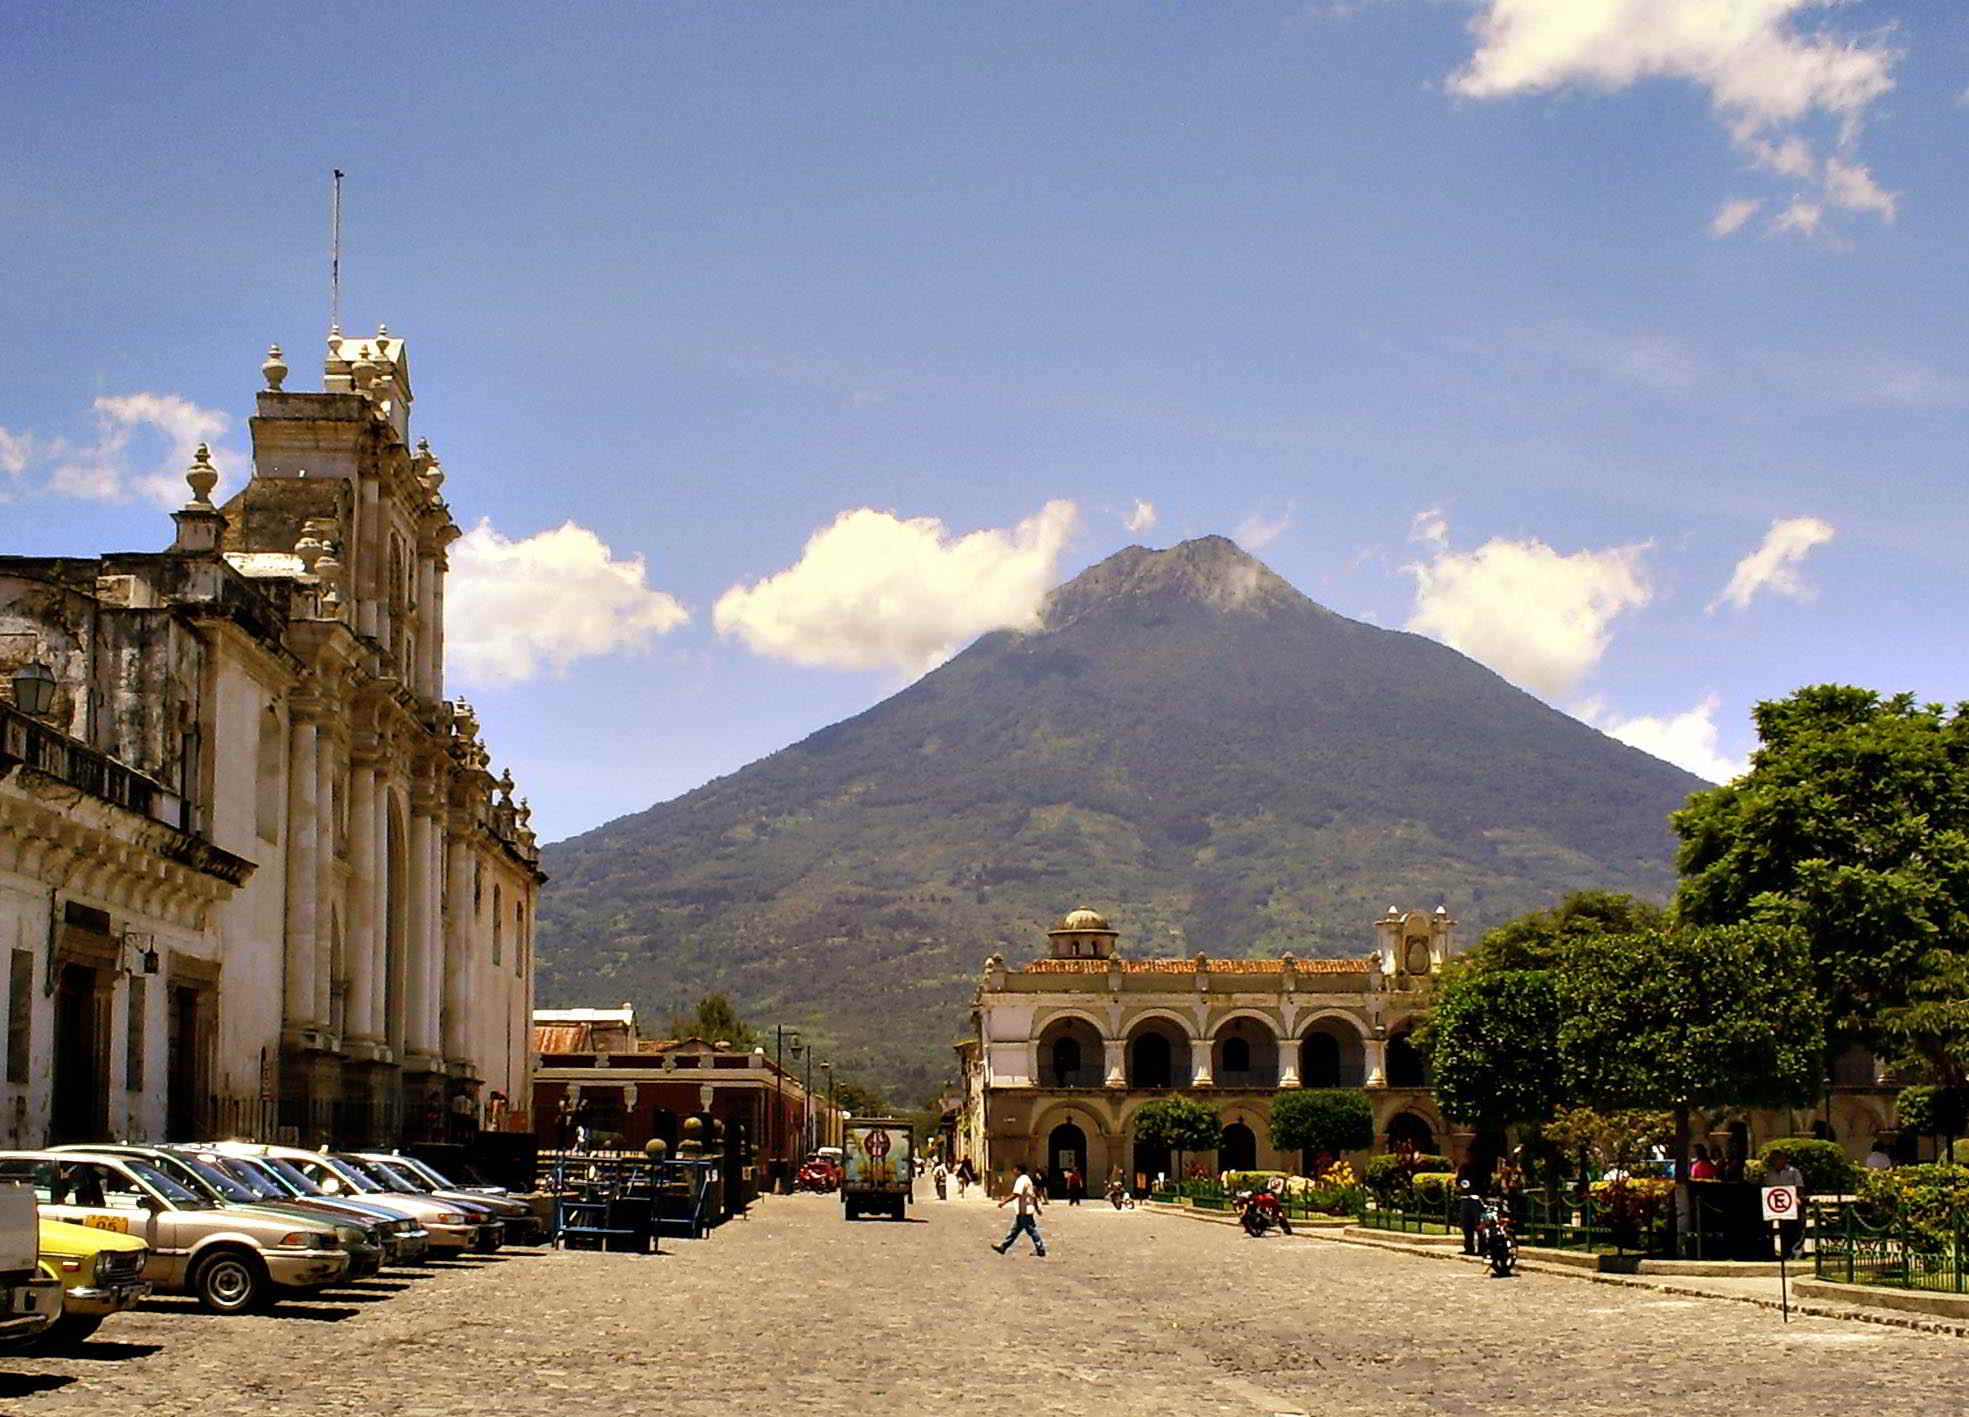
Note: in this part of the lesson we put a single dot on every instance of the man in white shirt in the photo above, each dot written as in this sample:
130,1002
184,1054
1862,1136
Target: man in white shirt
1027,1196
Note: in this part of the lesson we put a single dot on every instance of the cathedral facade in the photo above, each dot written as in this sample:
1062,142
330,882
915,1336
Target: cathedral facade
257,876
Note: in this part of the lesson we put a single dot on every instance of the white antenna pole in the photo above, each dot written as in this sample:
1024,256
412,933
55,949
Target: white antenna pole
335,260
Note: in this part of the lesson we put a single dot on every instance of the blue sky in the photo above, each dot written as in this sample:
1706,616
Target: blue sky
1616,342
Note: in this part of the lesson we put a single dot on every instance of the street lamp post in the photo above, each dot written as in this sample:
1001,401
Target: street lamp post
807,1107
827,1118
783,1038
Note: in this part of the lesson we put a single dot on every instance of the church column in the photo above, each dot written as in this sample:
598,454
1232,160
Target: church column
1200,1075
1116,1061
298,998
1377,1061
434,885
417,934
387,945
1288,1062
365,887
372,582
434,632
457,942
427,636
326,756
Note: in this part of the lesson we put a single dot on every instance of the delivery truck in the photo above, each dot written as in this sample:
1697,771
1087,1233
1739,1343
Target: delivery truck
878,1167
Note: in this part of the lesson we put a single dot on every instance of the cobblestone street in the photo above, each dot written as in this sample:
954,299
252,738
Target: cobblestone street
1130,1313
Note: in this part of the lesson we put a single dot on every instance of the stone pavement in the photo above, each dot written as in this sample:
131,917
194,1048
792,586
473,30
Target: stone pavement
1131,1313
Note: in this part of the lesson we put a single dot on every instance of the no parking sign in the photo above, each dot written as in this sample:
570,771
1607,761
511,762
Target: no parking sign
1780,1202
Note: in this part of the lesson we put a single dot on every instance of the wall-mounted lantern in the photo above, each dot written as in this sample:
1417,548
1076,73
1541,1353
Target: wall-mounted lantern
141,956
34,689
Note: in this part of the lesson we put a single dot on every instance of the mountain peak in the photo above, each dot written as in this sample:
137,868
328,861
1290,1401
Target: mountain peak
1209,570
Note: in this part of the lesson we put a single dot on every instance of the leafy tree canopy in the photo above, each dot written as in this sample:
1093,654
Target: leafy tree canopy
1493,1042
1539,939
1616,1138
1853,825
715,1020
1322,1120
1179,1124
1930,1032
1724,1017
861,1100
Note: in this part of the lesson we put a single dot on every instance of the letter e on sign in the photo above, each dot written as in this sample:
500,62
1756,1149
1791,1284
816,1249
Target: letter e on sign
1780,1202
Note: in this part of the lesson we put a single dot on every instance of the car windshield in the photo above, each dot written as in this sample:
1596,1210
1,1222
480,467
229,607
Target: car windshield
354,1175
297,1180
428,1172
218,1180
179,1196
403,1177
263,1186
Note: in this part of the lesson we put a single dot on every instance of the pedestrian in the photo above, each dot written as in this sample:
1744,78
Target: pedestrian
1702,1168
1469,1206
1778,1171
941,1175
1076,1187
1026,1220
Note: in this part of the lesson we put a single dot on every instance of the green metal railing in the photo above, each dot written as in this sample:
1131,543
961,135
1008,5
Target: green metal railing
1849,1250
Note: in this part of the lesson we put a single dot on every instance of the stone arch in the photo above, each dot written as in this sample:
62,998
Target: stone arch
1244,1052
1237,1148
1333,1051
1404,1063
1098,1153
1157,1053
1071,1052
1409,1127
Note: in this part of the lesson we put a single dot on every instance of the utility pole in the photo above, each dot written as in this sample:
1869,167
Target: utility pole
781,1035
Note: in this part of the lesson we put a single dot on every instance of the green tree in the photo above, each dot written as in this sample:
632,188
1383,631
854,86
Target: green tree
1930,1111
715,1020
1179,1124
861,1100
1493,1043
1930,1032
1538,940
1322,1121
1853,825
1724,1017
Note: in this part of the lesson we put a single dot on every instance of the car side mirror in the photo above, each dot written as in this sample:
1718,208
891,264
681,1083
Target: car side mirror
150,1203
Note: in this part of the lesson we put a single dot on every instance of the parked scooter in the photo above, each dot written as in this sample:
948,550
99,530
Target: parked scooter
1496,1241
1118,1195
1260,1210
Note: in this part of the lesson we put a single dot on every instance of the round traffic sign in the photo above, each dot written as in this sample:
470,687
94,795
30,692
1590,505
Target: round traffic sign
876,1144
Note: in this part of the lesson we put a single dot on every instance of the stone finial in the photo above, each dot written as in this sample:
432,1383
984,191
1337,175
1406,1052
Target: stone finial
364,369
201,477
506,783
328,568
312,544
275,369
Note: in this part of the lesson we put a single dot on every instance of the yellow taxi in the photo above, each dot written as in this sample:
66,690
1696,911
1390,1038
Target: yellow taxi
100,1271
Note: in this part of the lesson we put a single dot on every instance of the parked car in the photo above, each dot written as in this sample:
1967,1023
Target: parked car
523,1224
404,1240
362,1241
232,1260
417,1240
452,1227
492,1226
99,1273
29,1300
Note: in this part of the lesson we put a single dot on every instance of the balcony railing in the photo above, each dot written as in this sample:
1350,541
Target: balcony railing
23,740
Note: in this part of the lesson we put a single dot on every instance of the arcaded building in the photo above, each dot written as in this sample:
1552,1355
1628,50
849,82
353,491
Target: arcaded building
257,874
1069,1047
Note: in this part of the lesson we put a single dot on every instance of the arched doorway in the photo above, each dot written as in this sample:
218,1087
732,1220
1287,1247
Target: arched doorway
1406,1130
1246,1055
1405,1065
1237,1149
1331,1055
1158,1056
1066,1150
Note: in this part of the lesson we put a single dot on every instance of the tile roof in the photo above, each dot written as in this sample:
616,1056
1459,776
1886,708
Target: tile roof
1215,966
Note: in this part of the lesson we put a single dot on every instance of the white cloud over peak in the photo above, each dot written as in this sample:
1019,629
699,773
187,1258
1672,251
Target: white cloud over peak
1540,617
1261,528
1141,517
1688,739
15,450
874,590
1774,565
113,467
1769,77
515,608
1733,214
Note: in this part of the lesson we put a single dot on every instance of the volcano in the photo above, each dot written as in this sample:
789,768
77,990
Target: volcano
1186,743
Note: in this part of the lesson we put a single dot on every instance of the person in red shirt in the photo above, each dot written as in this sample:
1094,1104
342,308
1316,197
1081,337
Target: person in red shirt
1702,1168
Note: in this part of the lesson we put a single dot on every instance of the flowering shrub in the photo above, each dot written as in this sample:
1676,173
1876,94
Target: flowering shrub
1631,1206
1930,1201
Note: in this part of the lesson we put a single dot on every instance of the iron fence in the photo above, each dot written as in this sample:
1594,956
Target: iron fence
1848,1249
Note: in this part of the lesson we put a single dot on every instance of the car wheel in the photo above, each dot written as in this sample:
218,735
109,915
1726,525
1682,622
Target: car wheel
229,1283
69,1330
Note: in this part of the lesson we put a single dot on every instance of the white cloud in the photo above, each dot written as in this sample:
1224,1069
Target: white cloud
1732,215
878,591
1141,517
515,608
1261,529
15,450
1687,740
1773,566
112,469
1767,78
1429,526
1537,616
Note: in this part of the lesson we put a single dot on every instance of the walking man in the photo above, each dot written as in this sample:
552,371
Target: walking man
1027,1197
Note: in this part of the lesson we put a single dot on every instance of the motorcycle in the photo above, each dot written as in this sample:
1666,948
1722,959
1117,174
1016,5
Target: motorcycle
1495,1240
1118,1196
1259,1211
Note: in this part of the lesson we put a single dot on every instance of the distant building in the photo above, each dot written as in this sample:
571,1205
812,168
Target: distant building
1069,1048
594,1072
256,874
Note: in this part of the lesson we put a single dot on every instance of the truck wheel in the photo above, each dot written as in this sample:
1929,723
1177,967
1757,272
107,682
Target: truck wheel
229,1283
